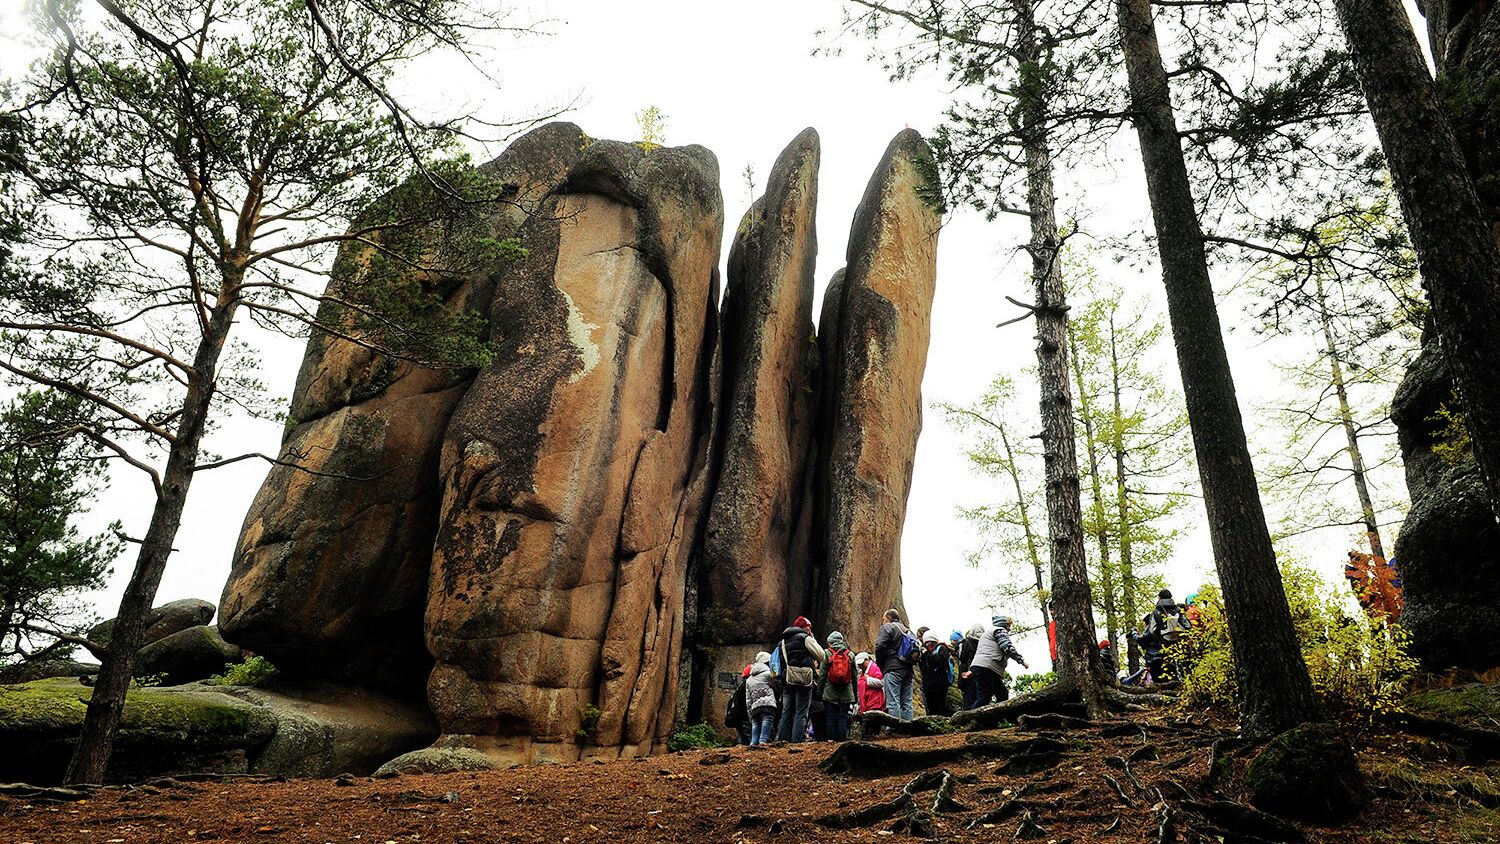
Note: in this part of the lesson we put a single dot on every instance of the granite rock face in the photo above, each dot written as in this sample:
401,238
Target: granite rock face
571,470
163,621
579,546
331,568
1446,552
876,334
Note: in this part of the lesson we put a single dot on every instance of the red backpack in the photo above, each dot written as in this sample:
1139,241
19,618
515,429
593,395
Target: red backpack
840,668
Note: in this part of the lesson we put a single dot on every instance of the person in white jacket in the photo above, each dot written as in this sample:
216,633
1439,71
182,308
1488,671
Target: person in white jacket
760,699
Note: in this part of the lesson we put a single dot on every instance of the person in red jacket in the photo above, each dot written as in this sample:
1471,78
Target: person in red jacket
871,683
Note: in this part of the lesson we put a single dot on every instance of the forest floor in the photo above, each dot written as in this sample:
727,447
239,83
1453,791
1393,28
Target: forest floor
1052,785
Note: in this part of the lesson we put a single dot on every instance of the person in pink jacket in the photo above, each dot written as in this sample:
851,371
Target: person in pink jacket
871,683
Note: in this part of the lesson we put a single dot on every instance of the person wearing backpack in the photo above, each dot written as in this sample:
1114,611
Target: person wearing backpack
1150,643
990,658
1170,625
965,654
838,688
937,674
871,684
737,711
800,656
897,652
760,699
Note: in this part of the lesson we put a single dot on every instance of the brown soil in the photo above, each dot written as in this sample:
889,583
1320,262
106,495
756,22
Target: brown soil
779,794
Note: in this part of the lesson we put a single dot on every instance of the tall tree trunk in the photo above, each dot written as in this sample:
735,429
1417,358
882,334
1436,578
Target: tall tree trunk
1275,692
1072,606
1457,254
1351,432
1031,551
96,739
1128,589
1101,529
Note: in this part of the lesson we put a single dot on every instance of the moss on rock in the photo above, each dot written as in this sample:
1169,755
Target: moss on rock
1473,705
1309,772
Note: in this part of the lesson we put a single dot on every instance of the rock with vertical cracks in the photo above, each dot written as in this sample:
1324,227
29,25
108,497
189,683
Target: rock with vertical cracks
876,333
572,471
330,573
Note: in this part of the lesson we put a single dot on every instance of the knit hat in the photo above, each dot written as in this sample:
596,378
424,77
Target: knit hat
1191,599
1000,620
955,636
836,640
975,631
1165,594
802,622
930,636
1103,643
763,658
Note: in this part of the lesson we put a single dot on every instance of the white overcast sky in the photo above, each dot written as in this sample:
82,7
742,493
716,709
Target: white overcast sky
739,78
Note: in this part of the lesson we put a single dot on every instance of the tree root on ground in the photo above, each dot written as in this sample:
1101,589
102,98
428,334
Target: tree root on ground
864,759
1052,721
872,723
1120,791
916,821
1239,820
1479,743
46,793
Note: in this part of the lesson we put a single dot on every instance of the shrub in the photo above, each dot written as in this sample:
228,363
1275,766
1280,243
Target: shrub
252,671
1358,665
1032,682
588,724
696,737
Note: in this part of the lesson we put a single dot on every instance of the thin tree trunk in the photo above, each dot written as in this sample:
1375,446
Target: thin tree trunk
1351,432
96,739
1072,605
1275,692
1126,542
1101,530
1031,551
1456,252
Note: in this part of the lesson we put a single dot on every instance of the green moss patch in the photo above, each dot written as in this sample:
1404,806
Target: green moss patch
1309,772
1473,705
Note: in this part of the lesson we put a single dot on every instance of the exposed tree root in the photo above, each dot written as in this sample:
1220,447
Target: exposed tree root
944,803
1240,820
916,822
869,814
46,794
1047,700
1113,826
1006,810
873,722
1478,743
1029,830
1052,721
1120,791
864,759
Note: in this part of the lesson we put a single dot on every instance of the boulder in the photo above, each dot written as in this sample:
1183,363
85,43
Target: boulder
162,621
1448,551
875,336
755,546
196,653
44,669
1308,772
331,569
316,731
572,471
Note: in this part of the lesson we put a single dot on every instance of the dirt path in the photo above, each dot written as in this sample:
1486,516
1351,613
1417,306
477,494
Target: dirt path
735,795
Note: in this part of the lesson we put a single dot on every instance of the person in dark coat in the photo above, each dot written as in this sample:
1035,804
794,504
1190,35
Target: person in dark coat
898,674
800,657
965,654
1107,659
937,665
737,711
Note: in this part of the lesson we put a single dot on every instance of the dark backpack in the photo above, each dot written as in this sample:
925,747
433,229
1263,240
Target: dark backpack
908,650
840,668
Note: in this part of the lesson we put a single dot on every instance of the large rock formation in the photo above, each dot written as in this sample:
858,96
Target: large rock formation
571,471
1448,551
876,333
541,533
331,570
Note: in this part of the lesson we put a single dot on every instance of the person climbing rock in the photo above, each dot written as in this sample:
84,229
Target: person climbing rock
838,688
760,695
990,659
897,652
937,674
965,654
871,683
800,656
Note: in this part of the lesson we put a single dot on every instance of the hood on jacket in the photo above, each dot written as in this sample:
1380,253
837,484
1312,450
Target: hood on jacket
861,658
759,669
929,636
975,631
955,637
1166,605
763,658
836,640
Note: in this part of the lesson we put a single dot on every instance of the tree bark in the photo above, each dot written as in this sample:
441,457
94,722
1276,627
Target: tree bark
1031,550
1351,432
1072,605
1275,692
96,738
1128,590
1457,254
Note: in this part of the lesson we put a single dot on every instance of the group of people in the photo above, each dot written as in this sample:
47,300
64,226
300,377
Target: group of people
802,687
1161,628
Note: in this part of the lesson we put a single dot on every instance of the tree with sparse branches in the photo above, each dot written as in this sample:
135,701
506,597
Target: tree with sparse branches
198,166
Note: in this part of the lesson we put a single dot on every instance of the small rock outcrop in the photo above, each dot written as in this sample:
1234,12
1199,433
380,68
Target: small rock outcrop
1308,772
162,621
196,653
1446,553
876,332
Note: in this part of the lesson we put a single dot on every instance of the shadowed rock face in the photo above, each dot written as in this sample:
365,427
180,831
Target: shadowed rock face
1446,551
570,468
755,550
330,574
876,333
